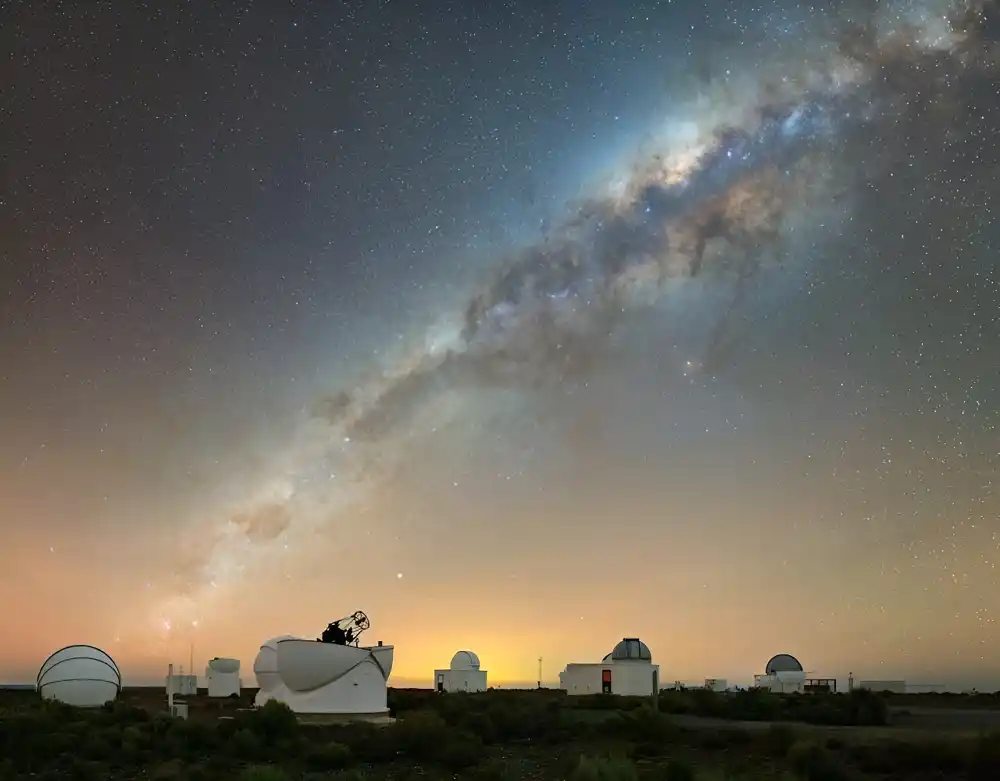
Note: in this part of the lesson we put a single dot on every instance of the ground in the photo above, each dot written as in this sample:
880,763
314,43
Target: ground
502,735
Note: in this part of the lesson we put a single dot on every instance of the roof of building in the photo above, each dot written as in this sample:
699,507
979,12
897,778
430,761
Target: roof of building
783,663
630,649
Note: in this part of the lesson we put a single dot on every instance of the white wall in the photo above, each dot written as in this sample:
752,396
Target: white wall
791,682
185,685
627,678
716,684
460,680
223,684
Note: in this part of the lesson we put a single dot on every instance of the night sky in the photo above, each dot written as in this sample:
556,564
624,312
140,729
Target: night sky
522,326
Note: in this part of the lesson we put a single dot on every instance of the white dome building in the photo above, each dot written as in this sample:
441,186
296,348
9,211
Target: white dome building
627,670
265,670
79,675
315,677
783,674
463,674
223,677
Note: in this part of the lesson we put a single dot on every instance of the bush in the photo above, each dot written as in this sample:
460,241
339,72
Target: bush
331,756
274,722
461,751
601,769
679,770
263,773
778,739
245,744
812,762
420,734
984,759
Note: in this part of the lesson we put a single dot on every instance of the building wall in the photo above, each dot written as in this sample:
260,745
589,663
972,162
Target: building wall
896,687
223,684
716,684
185,685
627,678
460,680
782,682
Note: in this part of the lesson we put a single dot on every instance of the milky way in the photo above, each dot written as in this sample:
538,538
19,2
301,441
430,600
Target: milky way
741,192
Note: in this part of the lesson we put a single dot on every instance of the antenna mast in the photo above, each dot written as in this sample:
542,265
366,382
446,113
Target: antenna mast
539,672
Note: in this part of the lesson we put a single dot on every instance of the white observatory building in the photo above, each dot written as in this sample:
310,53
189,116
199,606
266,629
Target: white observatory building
223,676
79,675
329,676
627,670
783,674
462,675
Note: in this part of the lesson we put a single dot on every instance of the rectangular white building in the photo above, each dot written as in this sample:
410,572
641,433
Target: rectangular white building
636,679
183,685
460,680
716,684
782,682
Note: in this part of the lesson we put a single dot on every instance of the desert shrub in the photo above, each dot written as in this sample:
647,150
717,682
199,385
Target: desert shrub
81,769
263,773
369,743
121,713
604,769
161,723
97,748
984,759
520,721
273,722
246,745
616,702
493,769
479,724
812,762
421,734
678,770
330,756
172,770
778,739
460,751
897,757
866,708
861,708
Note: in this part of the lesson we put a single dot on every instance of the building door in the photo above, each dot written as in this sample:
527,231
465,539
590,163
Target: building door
440,682
656,682
606,681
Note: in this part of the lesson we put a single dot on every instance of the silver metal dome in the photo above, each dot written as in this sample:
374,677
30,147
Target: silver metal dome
783,663
631,648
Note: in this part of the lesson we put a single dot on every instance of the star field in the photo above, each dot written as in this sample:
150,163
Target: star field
519,326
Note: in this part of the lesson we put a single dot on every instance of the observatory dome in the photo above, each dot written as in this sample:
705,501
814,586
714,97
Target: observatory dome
79,675
265,665
630,649
465,660
224,666
783,663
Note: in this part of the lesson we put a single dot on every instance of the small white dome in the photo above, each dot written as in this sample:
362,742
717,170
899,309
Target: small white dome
79,675
224,666
465,660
